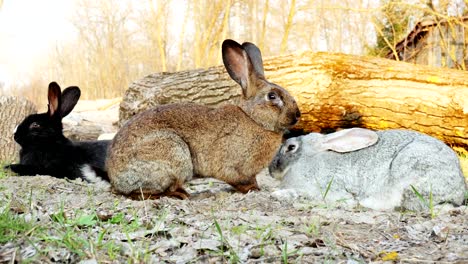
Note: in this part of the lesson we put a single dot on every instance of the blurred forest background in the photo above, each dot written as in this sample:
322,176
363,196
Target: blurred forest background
118,41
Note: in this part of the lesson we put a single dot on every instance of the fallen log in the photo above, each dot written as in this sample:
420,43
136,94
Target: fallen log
333,91
90,119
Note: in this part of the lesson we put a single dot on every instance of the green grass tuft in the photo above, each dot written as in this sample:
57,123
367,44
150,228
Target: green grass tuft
3,173
13,226
324,195
429,203
225,245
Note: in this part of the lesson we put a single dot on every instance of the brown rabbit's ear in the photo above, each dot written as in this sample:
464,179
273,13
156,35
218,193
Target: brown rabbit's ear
70,97
239,66
255,57
54,98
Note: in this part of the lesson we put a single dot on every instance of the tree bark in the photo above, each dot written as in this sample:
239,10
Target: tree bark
12,112
333,91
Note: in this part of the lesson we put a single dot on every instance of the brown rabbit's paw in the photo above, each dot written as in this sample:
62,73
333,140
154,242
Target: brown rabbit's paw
143,195
180,193
246,186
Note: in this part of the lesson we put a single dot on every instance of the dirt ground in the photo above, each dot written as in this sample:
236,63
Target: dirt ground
218,225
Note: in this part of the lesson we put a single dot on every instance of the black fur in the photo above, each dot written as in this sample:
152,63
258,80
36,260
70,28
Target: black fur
44,148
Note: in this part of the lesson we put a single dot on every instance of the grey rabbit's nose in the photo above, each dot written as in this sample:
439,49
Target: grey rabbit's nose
272,167
275,163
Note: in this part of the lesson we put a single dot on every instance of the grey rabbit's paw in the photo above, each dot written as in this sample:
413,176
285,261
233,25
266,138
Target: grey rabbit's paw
288,195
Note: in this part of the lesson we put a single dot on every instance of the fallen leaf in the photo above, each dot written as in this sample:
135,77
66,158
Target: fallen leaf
389,256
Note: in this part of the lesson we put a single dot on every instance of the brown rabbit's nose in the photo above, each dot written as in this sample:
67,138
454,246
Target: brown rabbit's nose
296,117
298,114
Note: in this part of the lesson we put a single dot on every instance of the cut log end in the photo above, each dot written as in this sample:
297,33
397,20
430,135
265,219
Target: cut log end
12,112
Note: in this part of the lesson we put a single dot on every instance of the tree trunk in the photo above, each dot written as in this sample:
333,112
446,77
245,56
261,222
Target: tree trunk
12,112
333,91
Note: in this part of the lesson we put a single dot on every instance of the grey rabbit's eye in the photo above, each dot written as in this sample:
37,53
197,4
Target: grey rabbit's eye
34,125
291,148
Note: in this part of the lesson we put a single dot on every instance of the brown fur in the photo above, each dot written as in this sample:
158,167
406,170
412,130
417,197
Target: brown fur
159,149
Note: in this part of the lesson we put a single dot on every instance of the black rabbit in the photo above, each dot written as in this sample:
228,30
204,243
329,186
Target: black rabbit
46,151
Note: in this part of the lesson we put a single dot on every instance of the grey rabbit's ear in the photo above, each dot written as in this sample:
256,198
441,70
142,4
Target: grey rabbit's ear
70,97
255,57
348,140
54,99
239,66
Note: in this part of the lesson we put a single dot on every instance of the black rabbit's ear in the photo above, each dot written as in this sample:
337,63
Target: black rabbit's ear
70,97
54,98
255,57
239,66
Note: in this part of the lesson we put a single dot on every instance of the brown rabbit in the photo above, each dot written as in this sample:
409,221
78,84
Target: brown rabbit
158,150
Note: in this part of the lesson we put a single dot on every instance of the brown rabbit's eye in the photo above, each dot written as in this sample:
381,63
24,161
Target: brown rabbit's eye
34,125
271,96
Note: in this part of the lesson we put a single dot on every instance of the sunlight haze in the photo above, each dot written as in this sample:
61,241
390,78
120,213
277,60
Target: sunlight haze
28,29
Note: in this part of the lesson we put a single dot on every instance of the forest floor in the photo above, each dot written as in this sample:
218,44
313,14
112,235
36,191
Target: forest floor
49,220
45,220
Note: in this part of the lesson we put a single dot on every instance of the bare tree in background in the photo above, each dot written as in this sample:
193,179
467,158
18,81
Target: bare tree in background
288,25
119,41
183,30
210,22
101,62
154,26
263,22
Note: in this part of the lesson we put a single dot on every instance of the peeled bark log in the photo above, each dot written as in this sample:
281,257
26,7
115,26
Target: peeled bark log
12,112
90,119
333,91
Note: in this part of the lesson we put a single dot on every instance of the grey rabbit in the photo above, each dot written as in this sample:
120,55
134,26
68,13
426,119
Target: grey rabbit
380,170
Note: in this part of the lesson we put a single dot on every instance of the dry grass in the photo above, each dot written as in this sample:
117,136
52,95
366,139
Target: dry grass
464,165
463,156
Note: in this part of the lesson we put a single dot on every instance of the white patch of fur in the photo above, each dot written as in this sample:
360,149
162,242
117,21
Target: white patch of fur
14,130
90,175
279,175
280,103
384,202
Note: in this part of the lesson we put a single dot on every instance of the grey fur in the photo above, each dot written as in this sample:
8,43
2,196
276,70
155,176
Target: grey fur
377,176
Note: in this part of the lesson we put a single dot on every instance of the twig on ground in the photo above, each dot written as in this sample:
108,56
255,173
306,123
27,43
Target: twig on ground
366,254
